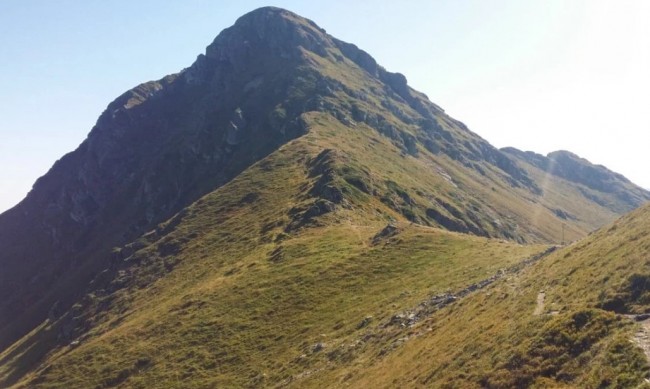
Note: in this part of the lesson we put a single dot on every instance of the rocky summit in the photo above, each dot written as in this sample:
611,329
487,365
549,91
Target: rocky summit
287,212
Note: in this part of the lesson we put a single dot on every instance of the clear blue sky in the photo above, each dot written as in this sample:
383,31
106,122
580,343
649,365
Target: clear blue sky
538,75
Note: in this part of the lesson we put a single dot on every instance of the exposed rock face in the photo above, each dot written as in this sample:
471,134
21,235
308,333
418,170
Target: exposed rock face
154,150
236,128
387,232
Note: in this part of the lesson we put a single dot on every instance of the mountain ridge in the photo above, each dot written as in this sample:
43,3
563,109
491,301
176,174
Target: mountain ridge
274,100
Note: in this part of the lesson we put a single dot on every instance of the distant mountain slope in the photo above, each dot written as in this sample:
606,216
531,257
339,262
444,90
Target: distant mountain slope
599,184
280,143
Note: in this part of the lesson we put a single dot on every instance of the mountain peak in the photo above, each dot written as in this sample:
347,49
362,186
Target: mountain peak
268,18
269,28
268,13
272,164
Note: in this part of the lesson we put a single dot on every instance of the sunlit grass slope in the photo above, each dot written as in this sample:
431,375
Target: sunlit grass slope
287,276
493,339
245,286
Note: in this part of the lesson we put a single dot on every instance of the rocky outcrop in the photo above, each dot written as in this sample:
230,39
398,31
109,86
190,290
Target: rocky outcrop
387,232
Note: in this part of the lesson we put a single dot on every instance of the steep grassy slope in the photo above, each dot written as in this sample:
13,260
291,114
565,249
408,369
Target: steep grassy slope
496,339
271,280
246,285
